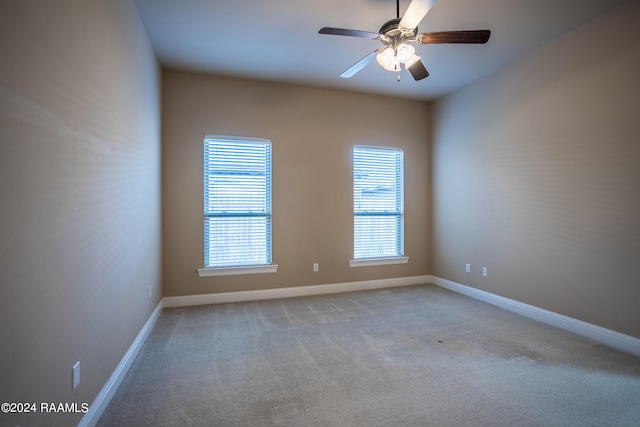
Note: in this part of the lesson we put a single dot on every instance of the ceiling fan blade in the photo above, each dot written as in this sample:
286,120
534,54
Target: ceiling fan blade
414,14
417,70
360,64
475,36
346,32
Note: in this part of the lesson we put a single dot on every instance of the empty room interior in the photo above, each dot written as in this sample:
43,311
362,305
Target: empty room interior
506,289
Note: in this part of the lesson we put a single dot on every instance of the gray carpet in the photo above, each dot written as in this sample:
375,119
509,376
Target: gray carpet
410,356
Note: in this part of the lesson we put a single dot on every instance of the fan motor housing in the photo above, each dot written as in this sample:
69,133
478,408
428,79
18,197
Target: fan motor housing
391,29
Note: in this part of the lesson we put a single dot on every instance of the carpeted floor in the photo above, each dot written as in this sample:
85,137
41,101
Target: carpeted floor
410,356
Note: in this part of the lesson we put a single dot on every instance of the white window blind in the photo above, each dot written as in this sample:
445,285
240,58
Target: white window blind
378,196
237,202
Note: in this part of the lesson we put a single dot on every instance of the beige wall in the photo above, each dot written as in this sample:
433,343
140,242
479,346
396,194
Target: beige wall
537,175
313,132
79,197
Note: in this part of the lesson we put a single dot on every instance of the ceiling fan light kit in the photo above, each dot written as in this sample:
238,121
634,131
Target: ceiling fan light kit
398,34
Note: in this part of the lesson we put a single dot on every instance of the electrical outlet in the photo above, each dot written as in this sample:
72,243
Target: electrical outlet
468,268
484,271
316,267
149,291
75,375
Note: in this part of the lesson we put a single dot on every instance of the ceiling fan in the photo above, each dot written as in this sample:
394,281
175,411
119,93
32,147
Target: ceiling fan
397,35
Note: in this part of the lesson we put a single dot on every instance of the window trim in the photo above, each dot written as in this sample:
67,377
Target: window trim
382,260
227,270
369,262
232,271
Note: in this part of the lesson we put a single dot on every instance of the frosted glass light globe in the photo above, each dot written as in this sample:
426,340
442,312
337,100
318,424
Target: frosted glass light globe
405,52
387,59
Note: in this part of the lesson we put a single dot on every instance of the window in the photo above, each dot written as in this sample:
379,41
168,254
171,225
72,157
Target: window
237,205
378,205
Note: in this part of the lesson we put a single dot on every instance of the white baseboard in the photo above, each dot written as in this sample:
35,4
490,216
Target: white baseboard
605,336
299,291
101,402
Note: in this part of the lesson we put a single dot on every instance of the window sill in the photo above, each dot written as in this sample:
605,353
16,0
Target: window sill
368,262
232,271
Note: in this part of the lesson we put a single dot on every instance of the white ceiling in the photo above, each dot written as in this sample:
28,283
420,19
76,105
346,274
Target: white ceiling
278,40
